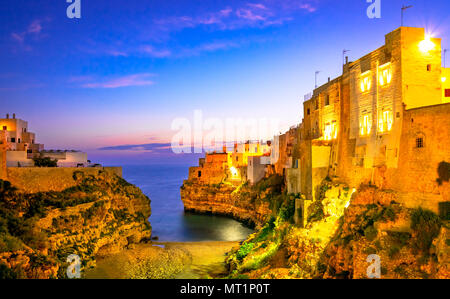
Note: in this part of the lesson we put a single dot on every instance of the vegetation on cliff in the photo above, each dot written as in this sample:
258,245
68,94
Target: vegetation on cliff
343,227
101,214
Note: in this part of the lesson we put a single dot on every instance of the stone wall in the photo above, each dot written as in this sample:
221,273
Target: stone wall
36,179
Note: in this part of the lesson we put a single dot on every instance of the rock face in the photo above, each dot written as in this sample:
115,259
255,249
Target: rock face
226,200
101,214
344,228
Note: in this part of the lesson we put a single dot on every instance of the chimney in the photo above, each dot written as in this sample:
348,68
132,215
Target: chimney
346,59
7,115
329,79
14,116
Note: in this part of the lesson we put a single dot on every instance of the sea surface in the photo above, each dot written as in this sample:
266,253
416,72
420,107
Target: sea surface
169,221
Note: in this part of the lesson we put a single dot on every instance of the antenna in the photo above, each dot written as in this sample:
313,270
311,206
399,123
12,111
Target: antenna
343,55
317,73
404,8
445,52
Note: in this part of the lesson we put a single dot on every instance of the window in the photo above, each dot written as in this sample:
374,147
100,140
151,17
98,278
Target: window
429,67
330,131
385,74
447,93
366,82
18,140
365,125
419,142
5,128
199,174
316,104
385,121
308,111
237,159
327,100
13,140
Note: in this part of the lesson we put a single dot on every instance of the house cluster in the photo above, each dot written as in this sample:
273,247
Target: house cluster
385,121
18,147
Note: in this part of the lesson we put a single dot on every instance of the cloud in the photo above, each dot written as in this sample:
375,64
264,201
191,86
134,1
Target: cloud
154,148
151,51
124,81
262,14
34,30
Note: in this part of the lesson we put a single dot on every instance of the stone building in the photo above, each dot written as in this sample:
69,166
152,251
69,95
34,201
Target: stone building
375,123
20,147
232,166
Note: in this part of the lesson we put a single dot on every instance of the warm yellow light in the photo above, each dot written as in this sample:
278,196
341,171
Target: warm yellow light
330,131
366,83
443,79
426,45
385,74
365,125
385,122
234,171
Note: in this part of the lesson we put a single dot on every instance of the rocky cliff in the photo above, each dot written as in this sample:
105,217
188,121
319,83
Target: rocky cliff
345,227
101,214
245,203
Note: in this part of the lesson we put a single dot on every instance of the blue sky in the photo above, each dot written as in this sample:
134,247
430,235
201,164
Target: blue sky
126,69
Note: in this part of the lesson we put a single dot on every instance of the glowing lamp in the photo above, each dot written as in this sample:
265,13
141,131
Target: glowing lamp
443,79
426,45
234,171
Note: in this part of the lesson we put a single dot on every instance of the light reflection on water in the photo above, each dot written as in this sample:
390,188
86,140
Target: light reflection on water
162,184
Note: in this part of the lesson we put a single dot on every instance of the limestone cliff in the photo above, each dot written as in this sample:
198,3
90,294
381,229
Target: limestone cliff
344,227
244,203
100,214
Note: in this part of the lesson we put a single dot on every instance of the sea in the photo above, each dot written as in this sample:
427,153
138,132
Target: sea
161,183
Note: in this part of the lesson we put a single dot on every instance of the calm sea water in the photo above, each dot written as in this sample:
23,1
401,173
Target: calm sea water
162,184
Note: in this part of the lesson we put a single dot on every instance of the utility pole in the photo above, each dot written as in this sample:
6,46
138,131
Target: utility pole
343,55
317,73
404,8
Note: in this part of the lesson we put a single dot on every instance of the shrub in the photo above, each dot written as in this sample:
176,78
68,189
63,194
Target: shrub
370,233
426,226
7,273
288,210
315,211
244,250
45,162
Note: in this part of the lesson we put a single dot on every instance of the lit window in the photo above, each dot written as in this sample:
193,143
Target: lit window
330,131
385,121
365,125
366,83
385,75
447,93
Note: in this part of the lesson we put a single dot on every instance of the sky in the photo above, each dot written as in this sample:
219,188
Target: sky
113,82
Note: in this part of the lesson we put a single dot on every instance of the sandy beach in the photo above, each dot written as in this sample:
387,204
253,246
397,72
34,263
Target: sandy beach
188,260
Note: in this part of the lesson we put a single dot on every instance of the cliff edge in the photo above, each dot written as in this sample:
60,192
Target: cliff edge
99,215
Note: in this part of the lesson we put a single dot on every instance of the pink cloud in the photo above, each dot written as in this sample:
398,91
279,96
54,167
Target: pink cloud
151,51
33,30
35,27
261,14
125,81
